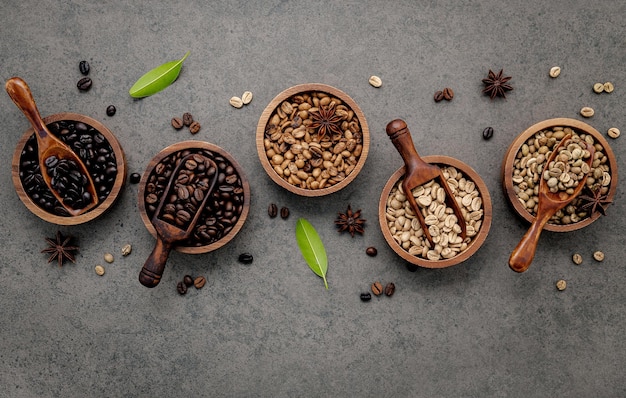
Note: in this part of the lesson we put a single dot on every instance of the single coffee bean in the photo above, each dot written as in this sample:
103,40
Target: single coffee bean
84,84
99,270
108,257
246,97
613,132
111,110
272,210
555,71
561,285
375,81
182,288
135,178
448,94
246,258
284,213
608,87
598,88
199,282
586,111
194,127
177,123
366,297
236,102
187,119
577,259
126,249
188,280
390,289
83,67
377,288
488,133
371,251
438,96
598,256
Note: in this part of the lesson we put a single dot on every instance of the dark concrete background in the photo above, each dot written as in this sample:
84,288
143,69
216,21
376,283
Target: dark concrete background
270,329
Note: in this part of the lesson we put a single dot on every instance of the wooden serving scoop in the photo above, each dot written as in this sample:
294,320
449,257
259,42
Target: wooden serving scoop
548,204
48,145
418,173
169,234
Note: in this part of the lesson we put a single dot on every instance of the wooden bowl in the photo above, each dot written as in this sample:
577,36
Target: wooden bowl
515,147
473,245
278,137
195,244
19,169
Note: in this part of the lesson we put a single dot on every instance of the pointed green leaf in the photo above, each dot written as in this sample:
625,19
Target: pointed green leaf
157,79
312,248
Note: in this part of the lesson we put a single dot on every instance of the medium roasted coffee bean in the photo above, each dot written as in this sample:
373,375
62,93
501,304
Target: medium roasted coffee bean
366,297
488,133
111,110
246,258
377,288
284,213
182,288
390,289
188,280
448,94
177,123
187,119
135,178
438,96
84,84
199,282
194,127
272,210
83,67
371,251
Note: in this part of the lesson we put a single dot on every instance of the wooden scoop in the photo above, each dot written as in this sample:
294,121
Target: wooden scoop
48,145
168,234
549,203
418,173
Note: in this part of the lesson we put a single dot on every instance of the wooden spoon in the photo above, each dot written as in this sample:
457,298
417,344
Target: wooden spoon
418,173
48,145
549,203
168,234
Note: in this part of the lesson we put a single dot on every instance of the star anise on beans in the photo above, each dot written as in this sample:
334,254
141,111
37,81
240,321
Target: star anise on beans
592,199
350,221
325,120
60,249
496,85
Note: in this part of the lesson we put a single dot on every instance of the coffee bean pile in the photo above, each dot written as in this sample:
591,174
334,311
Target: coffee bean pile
186,121
68,181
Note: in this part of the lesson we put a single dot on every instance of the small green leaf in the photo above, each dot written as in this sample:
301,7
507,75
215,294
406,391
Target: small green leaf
312,248
157,79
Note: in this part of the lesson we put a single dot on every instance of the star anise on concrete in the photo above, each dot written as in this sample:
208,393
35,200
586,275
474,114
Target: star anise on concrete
60,249
350,221
325,120
592,199
496,85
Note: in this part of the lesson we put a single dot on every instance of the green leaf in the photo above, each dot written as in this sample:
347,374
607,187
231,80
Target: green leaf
157,79
312,248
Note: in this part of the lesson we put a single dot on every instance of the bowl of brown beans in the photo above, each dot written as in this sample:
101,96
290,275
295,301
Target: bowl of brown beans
224,212
525,164
97,148
312,139
403,232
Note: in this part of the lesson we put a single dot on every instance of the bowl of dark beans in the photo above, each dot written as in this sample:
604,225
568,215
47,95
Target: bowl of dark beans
524,166
224,212
97,148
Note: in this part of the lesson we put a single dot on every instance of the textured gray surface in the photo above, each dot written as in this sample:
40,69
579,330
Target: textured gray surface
270,329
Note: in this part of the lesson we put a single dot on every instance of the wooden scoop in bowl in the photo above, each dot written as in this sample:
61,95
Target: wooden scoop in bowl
171,229
418,173
51,151
549,203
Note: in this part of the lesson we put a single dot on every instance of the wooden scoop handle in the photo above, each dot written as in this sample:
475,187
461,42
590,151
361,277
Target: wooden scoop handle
400,136
523,254
21,95
152,270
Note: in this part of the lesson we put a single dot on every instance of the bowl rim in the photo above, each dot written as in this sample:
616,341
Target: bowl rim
509,158
102,207
474,245
185,145
267,113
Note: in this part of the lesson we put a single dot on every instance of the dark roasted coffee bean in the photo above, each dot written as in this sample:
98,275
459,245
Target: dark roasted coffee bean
194,127
135,178
448,94
83,67
84,84
246,258
284,213
111,110
377,288
199,282
366,297
177,123
272,210
438,96
187,119
488,133
188,280
371,251
390,289
182,288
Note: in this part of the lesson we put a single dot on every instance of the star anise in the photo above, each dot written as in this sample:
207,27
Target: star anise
594,200
325,120
350,221
497,85
60,249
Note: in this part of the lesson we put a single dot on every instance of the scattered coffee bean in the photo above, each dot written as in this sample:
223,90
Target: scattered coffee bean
246,258
608,87
246,97
488,133
390,289
99,270
448,94
187,119
375,81
577,259
272,210
586,111
598,88
555,71
135,178
111,110
126,249
182,288
199,282
613,132
194,127
366,297
188,280
83,67
598,256
236,102
108,257
177,123
371,251
438,96
561,284
377,288
284,213
84,84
